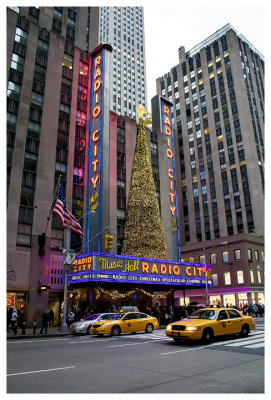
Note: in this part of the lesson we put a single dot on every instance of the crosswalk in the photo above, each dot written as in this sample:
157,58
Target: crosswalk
255,340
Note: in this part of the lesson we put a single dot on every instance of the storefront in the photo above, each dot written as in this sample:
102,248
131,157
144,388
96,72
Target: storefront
110,281
17,300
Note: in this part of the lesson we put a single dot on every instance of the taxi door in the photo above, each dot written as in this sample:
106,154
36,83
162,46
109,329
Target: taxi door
143,321
130,323
236,321
223,324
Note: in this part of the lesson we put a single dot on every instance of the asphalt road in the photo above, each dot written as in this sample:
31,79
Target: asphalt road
139,363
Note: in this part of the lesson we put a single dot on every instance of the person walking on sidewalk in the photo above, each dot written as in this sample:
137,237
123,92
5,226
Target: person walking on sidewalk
44,321
14,319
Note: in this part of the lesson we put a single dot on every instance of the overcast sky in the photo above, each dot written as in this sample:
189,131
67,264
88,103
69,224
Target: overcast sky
168,28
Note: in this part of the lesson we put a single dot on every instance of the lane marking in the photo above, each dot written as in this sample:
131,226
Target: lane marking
255,346
180,351
131,344
245,342
41,370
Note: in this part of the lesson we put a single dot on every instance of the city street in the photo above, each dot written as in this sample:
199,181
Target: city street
136,363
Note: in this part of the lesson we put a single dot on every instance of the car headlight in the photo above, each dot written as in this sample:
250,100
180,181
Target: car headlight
169,327
193,328
81,325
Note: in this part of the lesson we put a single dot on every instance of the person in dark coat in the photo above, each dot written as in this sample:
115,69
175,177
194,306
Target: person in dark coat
52,317
44,321
9,314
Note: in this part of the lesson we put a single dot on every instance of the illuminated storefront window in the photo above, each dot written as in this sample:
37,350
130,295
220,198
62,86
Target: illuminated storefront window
229,300
215,300
184,301
261,298
242,299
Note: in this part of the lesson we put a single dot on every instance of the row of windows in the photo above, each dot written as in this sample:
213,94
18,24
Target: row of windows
212,258
239,277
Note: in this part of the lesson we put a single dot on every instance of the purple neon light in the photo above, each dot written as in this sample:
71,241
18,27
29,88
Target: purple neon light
135,281
101,271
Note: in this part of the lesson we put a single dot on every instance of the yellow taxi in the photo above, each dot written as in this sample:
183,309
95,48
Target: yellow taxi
125,322
206,323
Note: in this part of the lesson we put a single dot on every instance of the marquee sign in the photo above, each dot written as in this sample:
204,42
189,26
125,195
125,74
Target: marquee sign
115,268
95,167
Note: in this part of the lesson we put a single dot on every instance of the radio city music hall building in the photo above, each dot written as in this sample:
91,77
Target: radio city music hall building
59,123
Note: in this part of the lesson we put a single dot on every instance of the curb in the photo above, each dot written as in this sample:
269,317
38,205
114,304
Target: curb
49,335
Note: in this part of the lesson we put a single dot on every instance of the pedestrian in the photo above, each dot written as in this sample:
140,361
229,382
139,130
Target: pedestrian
260,309
44,321
245,309
9,314
256,310
14,319
250,309
71,316
52,317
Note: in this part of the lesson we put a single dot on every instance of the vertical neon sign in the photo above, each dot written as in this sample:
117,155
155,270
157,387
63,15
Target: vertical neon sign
173,205
95,151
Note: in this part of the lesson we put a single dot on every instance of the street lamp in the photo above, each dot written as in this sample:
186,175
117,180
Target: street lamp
68,261
205,265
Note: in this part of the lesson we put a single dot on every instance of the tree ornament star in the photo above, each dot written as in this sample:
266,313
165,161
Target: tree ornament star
141,110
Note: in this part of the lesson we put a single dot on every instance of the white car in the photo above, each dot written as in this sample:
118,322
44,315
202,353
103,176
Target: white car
84,325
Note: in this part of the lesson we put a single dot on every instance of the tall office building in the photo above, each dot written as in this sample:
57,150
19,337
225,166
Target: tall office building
217,95
123,28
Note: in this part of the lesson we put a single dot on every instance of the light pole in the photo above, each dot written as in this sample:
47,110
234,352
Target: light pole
205,265
69,258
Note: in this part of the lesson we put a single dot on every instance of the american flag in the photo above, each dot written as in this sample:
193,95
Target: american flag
67,219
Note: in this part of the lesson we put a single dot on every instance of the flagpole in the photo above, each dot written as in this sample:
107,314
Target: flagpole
53,203
68,243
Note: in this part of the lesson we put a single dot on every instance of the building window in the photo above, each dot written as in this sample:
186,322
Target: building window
237,254
249,254
262,256
259,276
225,256
213,258
227,278
240,277
215,280
251,272
201,259
256,255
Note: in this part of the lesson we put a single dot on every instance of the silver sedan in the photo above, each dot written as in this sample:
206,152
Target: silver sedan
84,325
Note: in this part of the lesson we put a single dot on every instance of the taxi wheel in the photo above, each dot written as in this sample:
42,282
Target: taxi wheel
149,328
177,340
207,336
115,331
244,331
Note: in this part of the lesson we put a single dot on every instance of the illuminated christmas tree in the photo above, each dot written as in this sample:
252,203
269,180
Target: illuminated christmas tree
143,233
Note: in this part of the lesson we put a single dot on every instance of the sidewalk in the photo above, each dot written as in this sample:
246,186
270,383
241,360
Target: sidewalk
51,332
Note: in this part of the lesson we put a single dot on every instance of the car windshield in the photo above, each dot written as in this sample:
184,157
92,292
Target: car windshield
106,316
117,316
95,316
204,314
